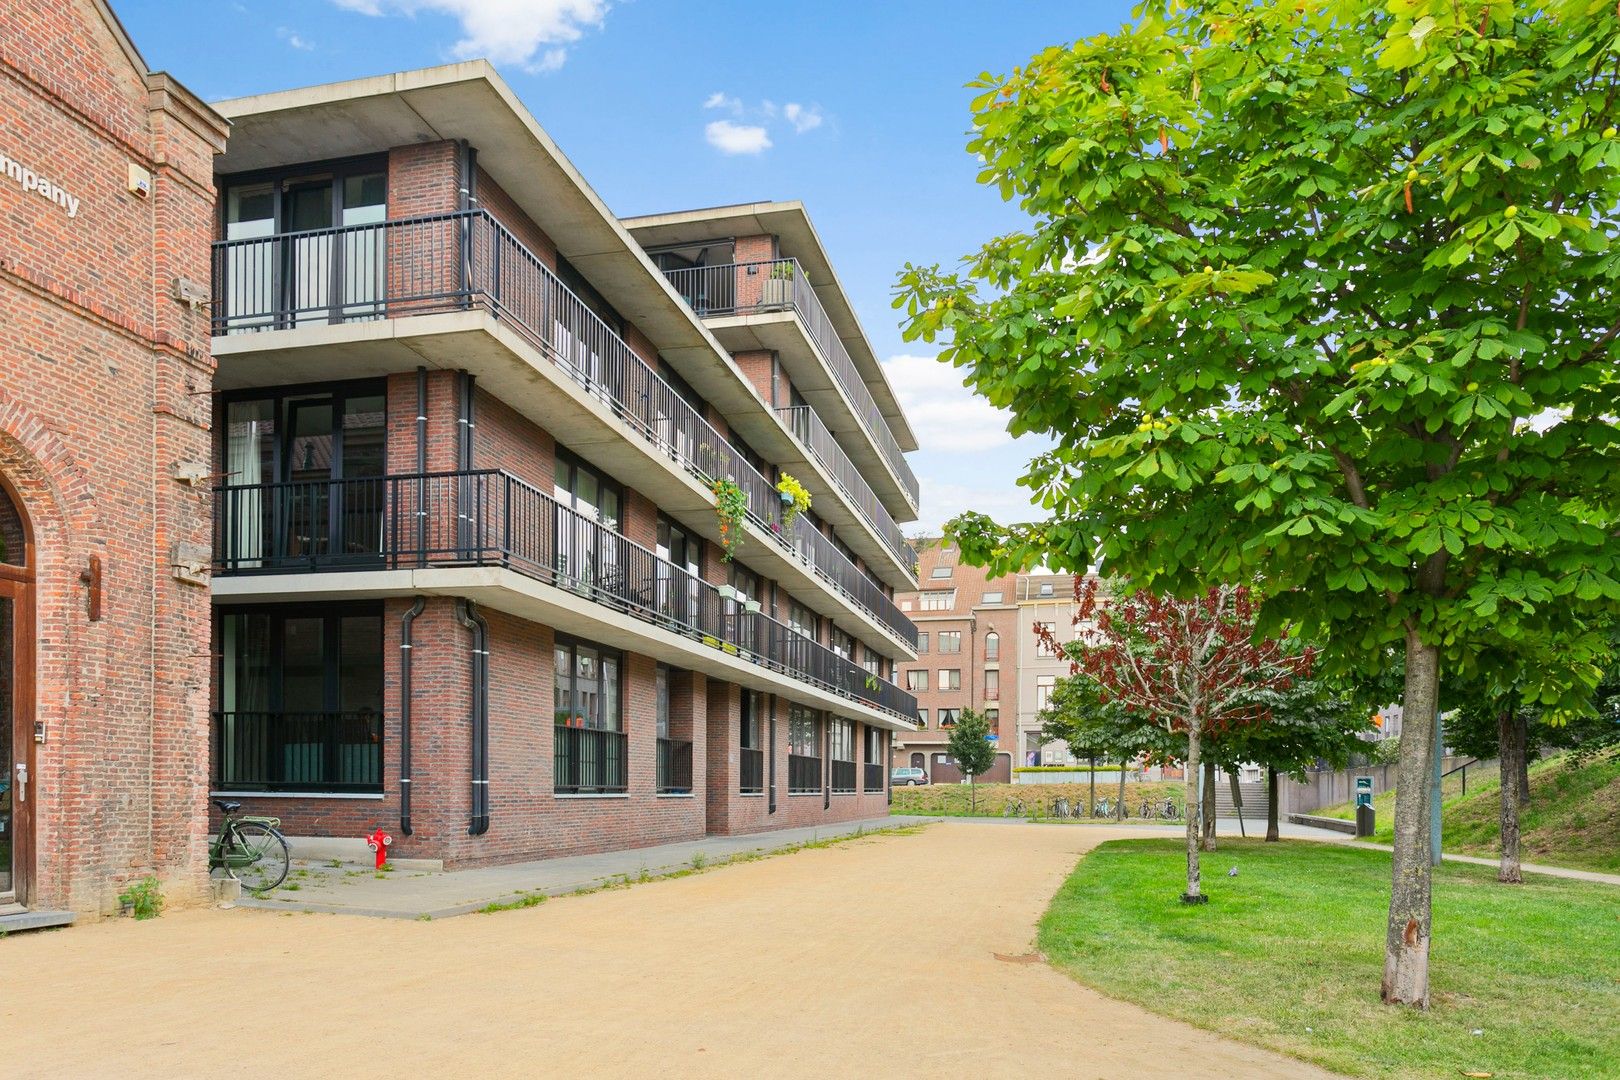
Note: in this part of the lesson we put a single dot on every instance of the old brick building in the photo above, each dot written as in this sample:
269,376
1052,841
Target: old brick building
106,204
967,657
480,442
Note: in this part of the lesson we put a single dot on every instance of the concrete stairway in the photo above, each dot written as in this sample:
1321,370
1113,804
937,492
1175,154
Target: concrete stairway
1254,800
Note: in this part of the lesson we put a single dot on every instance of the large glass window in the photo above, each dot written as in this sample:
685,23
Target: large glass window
589,751
950,641
1042,641
329,269
992,646
804,750
950,679
922,642
841,739
587,541
300,699
841,643
678,591
937,600
804,620
992,684
304,477
917,680
751,760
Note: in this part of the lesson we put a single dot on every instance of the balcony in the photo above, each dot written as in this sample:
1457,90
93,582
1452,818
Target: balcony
588,761
674,767
782,285
297,752
491,518
808,428
467,260
751,771
804,774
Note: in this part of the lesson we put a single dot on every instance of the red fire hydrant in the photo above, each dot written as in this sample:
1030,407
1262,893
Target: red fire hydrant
378,841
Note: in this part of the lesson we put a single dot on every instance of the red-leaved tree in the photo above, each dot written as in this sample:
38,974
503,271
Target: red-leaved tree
1192,666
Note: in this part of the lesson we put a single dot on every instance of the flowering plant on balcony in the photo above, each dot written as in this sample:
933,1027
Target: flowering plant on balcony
795,500
731,506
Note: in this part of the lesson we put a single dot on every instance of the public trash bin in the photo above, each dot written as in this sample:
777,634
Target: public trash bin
1364,806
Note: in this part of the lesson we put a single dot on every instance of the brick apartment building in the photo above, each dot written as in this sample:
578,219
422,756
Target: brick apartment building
1048,600
468,572
106,195
967,657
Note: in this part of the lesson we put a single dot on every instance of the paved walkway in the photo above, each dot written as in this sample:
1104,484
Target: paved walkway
897,955
439,894
1528,868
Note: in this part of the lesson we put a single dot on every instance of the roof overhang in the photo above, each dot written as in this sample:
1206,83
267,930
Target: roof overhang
798,239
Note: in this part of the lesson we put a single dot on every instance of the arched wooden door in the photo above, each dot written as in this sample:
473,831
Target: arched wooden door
17,788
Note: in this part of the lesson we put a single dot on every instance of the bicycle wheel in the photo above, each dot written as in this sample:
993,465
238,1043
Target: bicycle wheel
257,857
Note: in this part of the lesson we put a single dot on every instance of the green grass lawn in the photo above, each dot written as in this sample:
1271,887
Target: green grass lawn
1573,818
1289,954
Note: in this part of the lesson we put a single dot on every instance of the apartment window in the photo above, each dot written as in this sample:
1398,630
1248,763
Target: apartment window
661,700
872,755
751,758
804,620
1043,690
948,717
841,643
804,750
922,642
922,718
872,661
1043,642
940,572
950,641
991,598
917,680
1046,588
992,684
950,679
589,751
841,736
992,717
325,446
680,576
301,699
589,296
937,599
992,646
584,553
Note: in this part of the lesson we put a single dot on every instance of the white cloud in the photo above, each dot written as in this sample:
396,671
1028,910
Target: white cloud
802,117
722,100
732,138
504,31
292,38
947,417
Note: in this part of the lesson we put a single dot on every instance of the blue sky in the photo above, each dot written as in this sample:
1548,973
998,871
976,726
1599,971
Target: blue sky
668,104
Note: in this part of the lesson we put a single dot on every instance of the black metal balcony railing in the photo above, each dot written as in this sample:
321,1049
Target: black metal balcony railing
812,433
491,518
674,767
873,780
297,751
804,774
782,285
465,259
843,776
588,761
751,771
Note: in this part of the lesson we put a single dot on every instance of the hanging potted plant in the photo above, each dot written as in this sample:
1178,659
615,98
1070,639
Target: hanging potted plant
731,507
795,500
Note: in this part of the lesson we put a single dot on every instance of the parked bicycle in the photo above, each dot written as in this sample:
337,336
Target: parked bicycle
1169,811
249,849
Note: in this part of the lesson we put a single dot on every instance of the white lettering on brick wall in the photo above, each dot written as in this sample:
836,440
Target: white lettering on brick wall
31,181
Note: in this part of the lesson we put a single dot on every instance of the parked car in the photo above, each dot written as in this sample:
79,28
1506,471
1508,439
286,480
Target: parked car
908,778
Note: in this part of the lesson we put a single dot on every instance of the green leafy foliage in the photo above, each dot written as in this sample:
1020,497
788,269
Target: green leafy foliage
1323,295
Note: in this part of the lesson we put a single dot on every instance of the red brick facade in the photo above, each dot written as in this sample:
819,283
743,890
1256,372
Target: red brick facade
104,443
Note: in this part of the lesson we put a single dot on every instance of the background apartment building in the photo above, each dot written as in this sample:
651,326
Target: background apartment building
967,657
106,195
1046,600
470,552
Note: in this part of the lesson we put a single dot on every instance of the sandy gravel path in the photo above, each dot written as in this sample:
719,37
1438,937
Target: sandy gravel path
876,958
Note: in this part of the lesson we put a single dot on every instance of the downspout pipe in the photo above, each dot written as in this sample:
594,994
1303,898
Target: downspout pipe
421,463
405,648
467,614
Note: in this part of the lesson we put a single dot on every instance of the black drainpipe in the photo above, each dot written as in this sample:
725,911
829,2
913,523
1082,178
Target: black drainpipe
826,766
467,615
770,761
421,463
405,713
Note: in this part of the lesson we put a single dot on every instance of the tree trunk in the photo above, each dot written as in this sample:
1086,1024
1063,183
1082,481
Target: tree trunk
973,795
1194,813
1091,804
1207,842
1512,754
1119,811
1272,834
1406,942
1522,723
